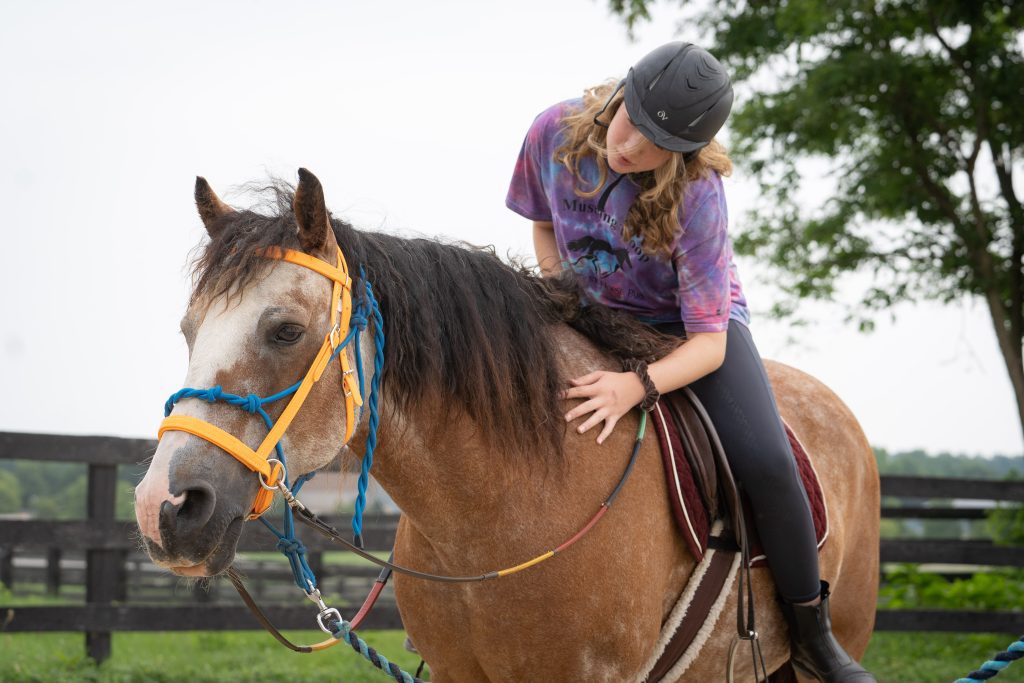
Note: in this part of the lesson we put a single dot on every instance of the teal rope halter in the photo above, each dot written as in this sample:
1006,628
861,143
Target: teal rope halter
288,543
371,439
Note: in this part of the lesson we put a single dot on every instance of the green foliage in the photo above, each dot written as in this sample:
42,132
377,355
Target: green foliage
1006,524
632,12
124,505
57,490
10,493
899,98
66,502
906,587
41,477
921,464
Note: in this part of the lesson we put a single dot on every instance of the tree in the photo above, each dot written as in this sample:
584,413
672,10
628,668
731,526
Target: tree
914,106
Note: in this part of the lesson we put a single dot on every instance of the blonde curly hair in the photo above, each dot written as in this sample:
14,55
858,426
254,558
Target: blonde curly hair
654,214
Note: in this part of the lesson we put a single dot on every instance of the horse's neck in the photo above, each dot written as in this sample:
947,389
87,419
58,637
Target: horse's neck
447,482
454,488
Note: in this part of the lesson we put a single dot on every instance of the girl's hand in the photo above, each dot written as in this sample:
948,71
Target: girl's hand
611,395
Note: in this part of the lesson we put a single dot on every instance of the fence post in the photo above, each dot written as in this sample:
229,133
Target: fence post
7,566
104,569
53,554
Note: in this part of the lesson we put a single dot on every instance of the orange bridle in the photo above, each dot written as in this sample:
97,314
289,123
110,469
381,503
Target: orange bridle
271,470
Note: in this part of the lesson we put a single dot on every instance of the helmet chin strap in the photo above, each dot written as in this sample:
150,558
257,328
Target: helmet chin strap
597,116
687,156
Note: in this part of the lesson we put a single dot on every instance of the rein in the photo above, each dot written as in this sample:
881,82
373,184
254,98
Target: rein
331,621
307,517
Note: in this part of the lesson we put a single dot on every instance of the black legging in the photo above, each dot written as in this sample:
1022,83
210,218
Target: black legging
739,400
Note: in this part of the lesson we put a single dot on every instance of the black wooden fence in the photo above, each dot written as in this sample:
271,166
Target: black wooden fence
109,546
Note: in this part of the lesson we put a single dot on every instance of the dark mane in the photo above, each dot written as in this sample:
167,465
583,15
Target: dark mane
458,321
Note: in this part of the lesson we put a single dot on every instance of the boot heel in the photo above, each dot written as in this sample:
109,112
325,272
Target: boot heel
815,652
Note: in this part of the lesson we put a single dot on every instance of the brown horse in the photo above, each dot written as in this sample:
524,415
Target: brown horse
474,451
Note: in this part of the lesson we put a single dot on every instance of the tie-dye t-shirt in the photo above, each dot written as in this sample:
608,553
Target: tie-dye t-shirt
697,285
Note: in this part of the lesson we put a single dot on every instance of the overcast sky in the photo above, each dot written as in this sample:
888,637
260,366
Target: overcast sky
411,114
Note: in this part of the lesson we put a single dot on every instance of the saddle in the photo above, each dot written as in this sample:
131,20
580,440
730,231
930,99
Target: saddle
705,496
700,482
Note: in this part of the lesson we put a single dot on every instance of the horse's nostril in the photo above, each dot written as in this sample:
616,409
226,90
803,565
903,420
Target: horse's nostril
197,508
193,504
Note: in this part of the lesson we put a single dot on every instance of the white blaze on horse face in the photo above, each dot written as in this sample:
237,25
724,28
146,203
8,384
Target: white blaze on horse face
220,343
154,489
228,324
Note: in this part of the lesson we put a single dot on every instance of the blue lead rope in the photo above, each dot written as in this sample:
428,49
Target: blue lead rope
993,666
343,631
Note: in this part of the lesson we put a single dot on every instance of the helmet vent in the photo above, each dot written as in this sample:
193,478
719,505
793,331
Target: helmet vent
656,79
705,69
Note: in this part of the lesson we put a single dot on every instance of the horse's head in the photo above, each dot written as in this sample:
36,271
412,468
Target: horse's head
254,326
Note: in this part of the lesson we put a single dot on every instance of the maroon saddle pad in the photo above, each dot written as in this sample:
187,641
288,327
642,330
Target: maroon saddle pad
691,515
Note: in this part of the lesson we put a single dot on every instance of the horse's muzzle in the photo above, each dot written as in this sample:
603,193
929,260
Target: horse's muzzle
203,551
189,525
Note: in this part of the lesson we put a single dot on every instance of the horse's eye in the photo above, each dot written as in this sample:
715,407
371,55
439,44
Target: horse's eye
288,334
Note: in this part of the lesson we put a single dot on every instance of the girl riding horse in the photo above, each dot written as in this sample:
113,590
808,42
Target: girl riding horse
624,188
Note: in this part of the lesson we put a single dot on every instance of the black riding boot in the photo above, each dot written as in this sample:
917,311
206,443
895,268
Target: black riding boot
815,651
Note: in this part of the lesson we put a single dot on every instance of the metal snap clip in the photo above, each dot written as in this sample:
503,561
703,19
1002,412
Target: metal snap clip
330,611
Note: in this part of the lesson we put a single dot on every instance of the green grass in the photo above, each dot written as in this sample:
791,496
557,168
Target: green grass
197,657
201,657
936,657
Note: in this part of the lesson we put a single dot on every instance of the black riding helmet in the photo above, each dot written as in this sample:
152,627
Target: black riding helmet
678,96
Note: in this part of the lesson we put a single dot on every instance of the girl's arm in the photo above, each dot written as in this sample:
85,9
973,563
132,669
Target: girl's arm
547,250
610,395
701,355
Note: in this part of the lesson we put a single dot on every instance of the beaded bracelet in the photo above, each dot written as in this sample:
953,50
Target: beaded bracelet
651,394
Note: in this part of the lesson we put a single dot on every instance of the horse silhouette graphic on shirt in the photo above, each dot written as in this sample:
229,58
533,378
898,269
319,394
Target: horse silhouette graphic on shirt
600,255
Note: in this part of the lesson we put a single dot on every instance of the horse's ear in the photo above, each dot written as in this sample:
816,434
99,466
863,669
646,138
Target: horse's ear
211,208
315,231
